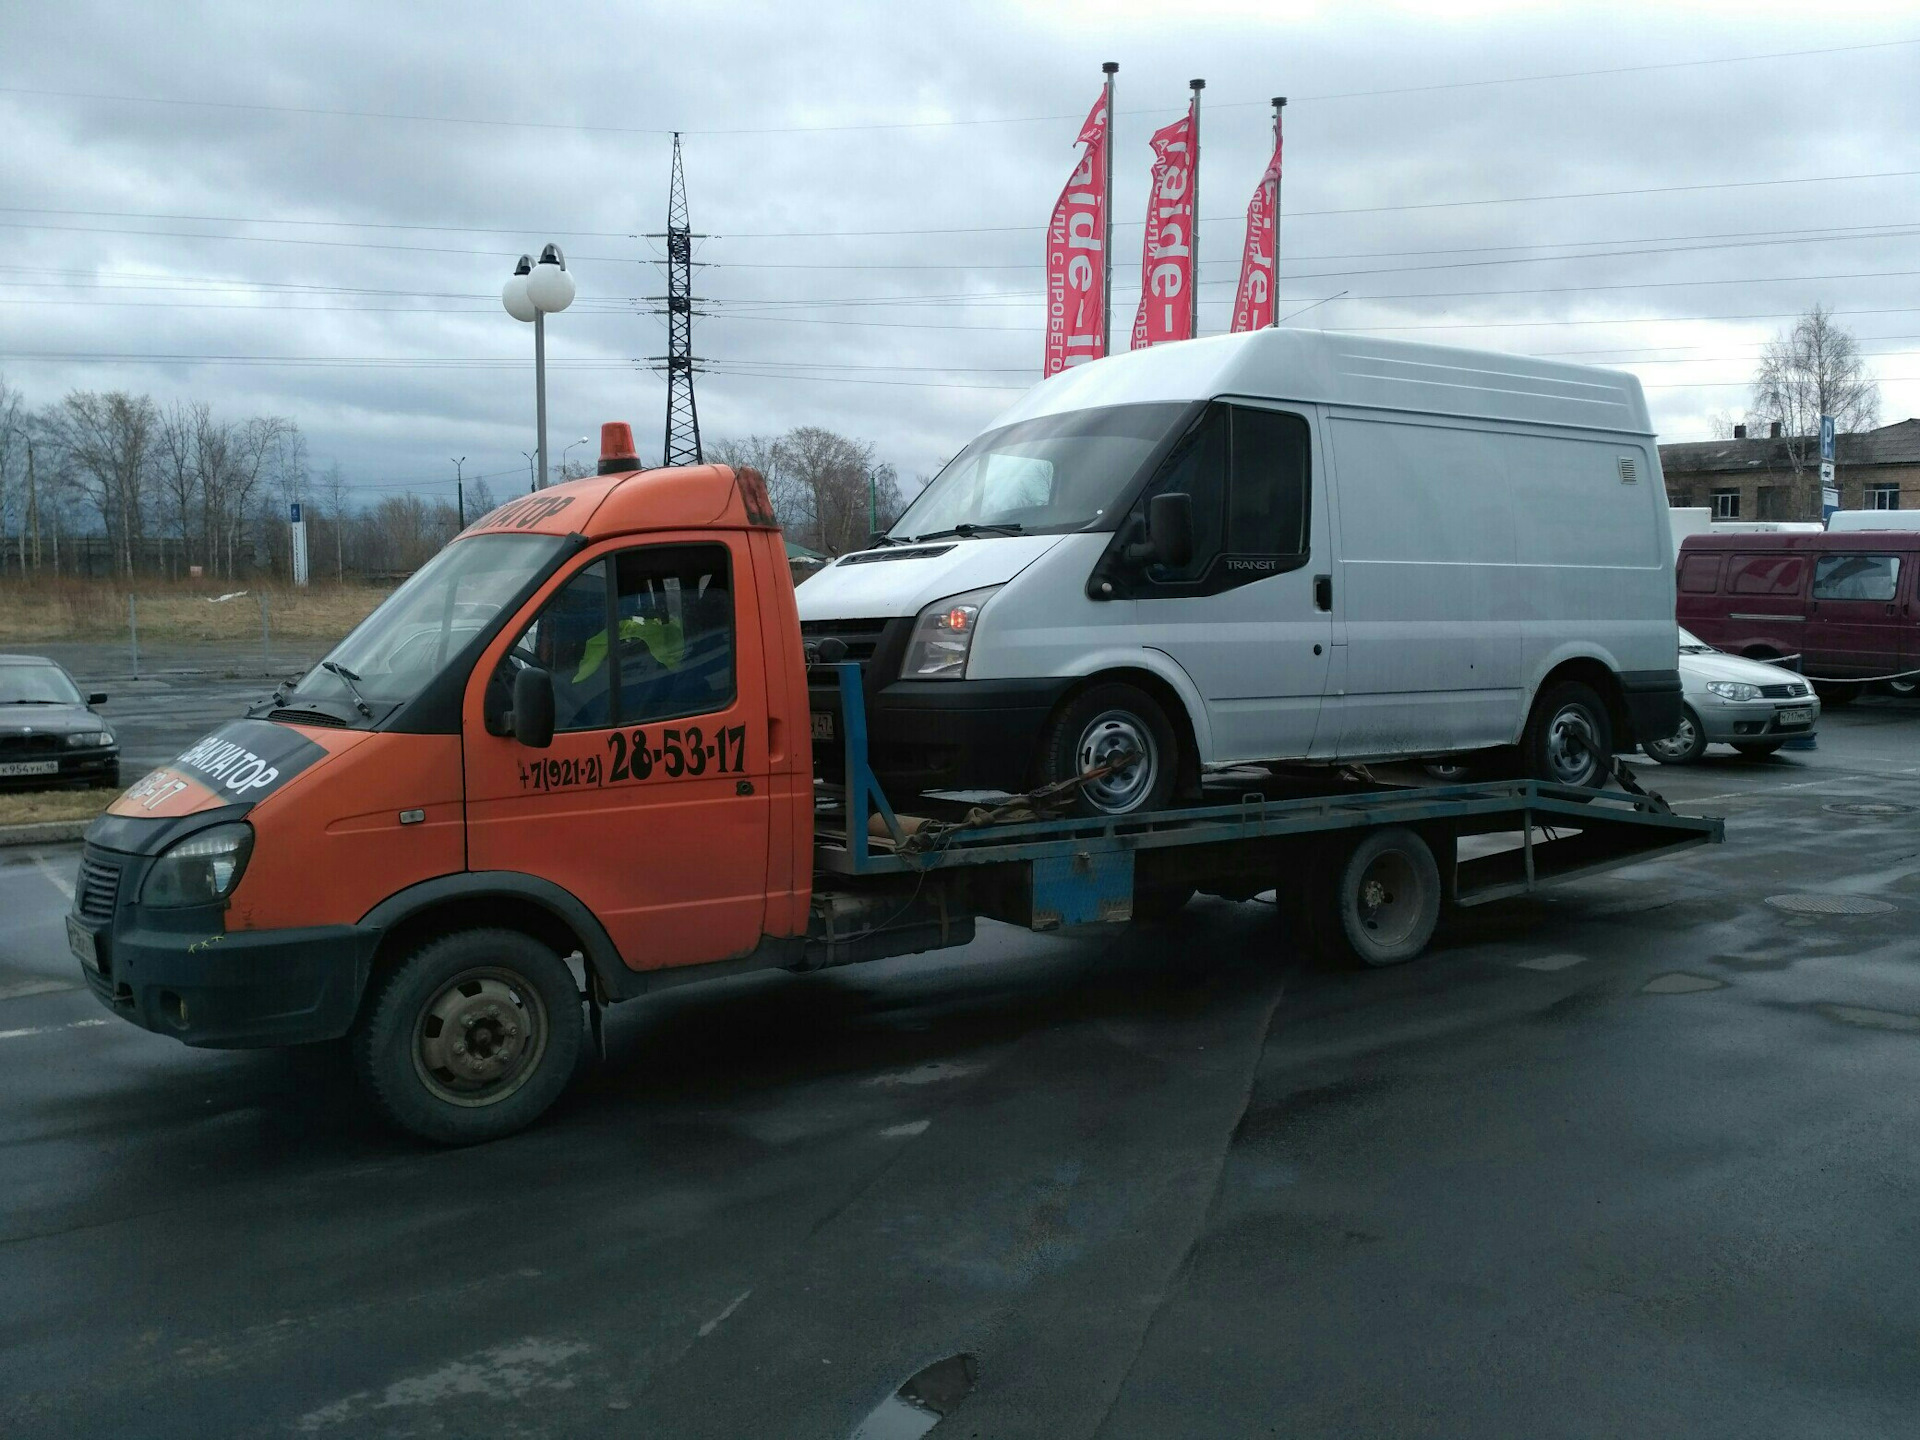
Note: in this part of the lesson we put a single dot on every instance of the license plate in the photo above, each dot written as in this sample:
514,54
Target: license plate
80,940
29,767
1794,719
822,725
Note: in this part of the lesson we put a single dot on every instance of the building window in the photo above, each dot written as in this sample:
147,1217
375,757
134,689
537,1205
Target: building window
1726,504
1772,502
1884,496
1679,497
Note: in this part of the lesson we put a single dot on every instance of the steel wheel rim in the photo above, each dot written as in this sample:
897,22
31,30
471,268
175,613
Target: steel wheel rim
1903,687
480,1037
1107,736
1676,744
1571,762
1387,899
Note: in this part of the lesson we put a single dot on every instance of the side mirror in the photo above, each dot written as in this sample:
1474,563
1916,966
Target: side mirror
533,708
98,697
1170,529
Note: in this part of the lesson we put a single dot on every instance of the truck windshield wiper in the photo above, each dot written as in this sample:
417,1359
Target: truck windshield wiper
347,678
966,531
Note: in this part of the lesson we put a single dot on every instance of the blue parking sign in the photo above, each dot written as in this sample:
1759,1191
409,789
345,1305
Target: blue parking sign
1826,437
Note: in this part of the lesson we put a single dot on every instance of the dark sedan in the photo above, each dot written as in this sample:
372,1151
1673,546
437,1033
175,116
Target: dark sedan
49,734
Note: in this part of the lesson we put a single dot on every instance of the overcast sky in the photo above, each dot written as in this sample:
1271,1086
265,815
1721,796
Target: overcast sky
327,197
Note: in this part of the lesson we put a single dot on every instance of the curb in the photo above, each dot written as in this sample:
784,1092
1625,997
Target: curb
46,832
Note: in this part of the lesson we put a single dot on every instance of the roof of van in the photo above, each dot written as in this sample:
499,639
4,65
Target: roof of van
1821,540
1339,369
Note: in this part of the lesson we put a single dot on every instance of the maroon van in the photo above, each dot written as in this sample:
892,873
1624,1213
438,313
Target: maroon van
1845,603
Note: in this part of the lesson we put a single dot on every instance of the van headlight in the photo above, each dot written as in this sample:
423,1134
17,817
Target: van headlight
199,870
1733,690
943,637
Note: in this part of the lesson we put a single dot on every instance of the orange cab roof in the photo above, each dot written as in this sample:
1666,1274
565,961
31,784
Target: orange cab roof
693,497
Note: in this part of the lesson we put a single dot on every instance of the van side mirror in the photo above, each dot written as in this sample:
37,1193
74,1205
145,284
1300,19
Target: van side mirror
1169,530
98,697
533,708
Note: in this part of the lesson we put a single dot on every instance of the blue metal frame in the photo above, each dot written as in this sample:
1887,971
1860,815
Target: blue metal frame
862,785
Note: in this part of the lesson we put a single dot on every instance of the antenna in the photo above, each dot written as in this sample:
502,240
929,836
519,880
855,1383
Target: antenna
682,446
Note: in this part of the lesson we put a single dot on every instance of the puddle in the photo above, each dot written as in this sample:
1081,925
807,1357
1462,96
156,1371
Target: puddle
1872,1019
906,1131
1680,983
931,1073
923,1401
1550,962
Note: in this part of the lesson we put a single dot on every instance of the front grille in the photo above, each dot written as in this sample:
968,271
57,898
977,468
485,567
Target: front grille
99,887
861,637
28,744
1784,692
307,717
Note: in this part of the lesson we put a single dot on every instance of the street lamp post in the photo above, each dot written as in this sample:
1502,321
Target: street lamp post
534,292
531,487
568,451
460,489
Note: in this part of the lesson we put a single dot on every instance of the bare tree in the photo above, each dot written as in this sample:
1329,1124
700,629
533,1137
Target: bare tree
254,444
479,498
334,487
178,470
110,438
13,445
1814,369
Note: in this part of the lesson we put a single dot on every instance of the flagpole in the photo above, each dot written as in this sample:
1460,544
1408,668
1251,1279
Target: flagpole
1193,225
1279,104
1106,213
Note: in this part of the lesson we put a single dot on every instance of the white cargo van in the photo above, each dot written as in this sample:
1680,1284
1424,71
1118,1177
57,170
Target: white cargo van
1277,546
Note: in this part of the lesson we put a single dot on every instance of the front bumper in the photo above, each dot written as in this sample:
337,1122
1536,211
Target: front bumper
1725,722
71,767
945,734
181,973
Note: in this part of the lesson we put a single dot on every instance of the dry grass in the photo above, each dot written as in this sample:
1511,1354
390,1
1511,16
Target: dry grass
35,806
180,611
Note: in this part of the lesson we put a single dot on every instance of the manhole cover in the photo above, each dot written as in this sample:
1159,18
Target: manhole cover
1829,904
1869,807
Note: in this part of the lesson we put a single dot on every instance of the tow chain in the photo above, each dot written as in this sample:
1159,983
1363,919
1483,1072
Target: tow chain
1617,768
1041,804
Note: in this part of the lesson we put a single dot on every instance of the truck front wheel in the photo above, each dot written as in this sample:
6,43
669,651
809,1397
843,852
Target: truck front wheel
470,1037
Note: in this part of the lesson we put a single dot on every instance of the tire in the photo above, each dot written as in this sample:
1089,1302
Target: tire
1905,688
1106,720
1449,772
1385,900
1684,746
1837,693
1761,750
503,989
1153,903
1545,753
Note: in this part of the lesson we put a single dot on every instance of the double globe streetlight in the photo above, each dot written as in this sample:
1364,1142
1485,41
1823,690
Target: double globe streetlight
534,292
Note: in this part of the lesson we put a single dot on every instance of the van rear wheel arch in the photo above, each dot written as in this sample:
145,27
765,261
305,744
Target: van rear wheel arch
1598,677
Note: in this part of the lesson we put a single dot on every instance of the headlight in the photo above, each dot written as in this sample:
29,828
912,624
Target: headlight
80,739
1733,690
200,869
943,636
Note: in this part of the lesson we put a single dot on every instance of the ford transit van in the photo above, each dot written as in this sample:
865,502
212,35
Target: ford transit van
1276,546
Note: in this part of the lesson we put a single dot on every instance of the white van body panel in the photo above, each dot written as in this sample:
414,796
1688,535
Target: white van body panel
876,584
1850,520
1481,517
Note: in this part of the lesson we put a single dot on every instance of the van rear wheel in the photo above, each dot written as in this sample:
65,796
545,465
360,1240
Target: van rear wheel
1119,731
1568,739
470,1037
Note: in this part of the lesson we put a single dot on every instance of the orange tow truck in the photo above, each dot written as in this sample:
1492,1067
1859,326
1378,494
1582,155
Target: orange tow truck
571,761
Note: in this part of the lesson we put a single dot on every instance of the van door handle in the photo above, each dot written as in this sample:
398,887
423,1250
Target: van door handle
1323,593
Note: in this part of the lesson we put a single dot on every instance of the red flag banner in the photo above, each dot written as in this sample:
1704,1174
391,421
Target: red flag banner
1166,259
1076,260
1253,301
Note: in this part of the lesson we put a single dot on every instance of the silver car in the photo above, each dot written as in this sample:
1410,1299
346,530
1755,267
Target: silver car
1752,706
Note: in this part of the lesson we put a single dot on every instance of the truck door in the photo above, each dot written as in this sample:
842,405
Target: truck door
651,804
1854,626
1250,617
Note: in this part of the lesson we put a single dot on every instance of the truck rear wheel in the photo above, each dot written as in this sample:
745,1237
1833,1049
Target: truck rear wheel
1386,899
470,1037
1099,729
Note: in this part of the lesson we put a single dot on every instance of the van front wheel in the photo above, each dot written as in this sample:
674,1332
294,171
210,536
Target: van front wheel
1118,735
470,1037
1568,739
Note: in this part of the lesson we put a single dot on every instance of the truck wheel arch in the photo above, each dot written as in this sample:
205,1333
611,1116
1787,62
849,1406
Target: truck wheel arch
504,898
1179,713
1595,673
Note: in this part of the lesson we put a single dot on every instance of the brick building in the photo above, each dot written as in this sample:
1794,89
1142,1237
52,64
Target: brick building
1753,477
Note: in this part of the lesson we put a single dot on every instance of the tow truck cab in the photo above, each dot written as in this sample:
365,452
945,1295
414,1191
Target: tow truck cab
584,721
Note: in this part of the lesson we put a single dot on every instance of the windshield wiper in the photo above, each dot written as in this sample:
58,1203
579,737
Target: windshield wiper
967,530
347,678
40,702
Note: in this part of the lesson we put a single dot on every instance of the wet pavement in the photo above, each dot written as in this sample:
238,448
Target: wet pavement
1636,1156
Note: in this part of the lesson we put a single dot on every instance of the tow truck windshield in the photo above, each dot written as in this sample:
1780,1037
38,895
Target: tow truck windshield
1045,476
394,652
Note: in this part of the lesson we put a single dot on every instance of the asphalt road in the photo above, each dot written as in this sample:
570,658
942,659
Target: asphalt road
1634,1157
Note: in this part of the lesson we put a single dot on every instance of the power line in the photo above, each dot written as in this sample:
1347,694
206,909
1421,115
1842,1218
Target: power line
490,122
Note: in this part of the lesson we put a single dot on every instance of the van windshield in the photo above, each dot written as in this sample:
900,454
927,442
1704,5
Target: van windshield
1049,475
392,654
